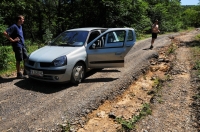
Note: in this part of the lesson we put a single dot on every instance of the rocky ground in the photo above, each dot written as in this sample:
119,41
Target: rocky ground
170,90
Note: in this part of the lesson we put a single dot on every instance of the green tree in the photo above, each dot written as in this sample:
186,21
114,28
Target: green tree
60,15
2,29
191,16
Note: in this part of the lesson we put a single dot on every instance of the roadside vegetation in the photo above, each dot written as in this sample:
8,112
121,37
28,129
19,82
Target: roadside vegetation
7,61
128,125
196,54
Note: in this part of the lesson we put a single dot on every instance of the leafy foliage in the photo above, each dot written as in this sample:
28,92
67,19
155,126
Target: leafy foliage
191,16
58,16
2,29
47,36
5,57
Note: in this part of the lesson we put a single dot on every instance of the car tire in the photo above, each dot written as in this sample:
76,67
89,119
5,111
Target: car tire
78,73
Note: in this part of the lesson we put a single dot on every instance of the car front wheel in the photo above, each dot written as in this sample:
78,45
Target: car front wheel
78,73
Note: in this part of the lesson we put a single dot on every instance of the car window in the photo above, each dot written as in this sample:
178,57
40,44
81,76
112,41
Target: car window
130,35
111,39
115,38
93,35
99,43
70,38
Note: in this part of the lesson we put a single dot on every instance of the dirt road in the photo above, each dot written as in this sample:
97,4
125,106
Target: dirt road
27,105
169,87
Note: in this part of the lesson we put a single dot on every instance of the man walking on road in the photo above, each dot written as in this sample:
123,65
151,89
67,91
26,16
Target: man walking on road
15,35
155,30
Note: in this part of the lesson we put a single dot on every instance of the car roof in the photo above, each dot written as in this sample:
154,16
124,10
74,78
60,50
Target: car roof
87,29
97,28
126,28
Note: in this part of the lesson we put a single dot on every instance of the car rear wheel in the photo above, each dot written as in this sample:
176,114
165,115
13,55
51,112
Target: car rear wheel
78,73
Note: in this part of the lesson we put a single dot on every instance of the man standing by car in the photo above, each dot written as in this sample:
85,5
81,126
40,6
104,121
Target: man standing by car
155,30
15,35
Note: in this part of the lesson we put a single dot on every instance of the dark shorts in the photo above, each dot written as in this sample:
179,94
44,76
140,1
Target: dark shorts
20,53
154,35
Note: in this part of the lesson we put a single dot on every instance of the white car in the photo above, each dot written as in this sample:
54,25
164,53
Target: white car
69,56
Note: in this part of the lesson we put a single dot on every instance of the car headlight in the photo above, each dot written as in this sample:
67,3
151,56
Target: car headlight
60,61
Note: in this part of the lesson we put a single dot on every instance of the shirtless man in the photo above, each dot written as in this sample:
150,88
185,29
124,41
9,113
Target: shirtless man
155,31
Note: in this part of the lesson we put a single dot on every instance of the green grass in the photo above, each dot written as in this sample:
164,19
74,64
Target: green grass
130,124
65,127
10,60
171,49
196,62
196,54
197,38
144,36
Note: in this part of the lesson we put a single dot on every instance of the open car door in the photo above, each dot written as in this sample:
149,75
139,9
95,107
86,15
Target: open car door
109,49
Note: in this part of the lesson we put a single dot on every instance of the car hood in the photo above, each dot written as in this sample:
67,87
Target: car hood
49,53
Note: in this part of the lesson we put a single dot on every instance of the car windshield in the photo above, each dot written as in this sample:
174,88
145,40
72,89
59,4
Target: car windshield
70,38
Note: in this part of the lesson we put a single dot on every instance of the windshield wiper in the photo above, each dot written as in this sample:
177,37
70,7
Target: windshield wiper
67,44
63,45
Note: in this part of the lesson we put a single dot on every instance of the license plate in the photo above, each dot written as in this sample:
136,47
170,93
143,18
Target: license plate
36,73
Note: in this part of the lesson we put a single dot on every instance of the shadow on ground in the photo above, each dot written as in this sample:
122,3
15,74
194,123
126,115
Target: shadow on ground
5,80
49,88
42,87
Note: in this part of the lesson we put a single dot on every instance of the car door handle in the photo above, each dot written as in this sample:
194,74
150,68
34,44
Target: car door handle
118,53
128,45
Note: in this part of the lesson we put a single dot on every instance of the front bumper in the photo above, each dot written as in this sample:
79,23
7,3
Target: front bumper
58,75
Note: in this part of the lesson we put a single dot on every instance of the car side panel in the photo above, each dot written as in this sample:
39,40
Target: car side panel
106,57
112,53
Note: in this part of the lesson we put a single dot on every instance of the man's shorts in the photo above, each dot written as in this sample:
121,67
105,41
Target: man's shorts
154,35
20,53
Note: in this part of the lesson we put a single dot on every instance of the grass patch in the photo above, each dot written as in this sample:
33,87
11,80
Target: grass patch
156,91
196,54
9,60
196,96
143,36
157,84
65,127
171,48
128,125
197,38
167,77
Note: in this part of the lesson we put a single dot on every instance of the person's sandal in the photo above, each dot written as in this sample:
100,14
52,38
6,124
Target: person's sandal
151,47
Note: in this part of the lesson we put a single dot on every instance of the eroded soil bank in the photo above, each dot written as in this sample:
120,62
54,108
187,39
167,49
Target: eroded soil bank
169,87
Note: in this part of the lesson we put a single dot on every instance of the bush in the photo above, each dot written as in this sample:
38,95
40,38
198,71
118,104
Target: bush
47,36
2,29
5,57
